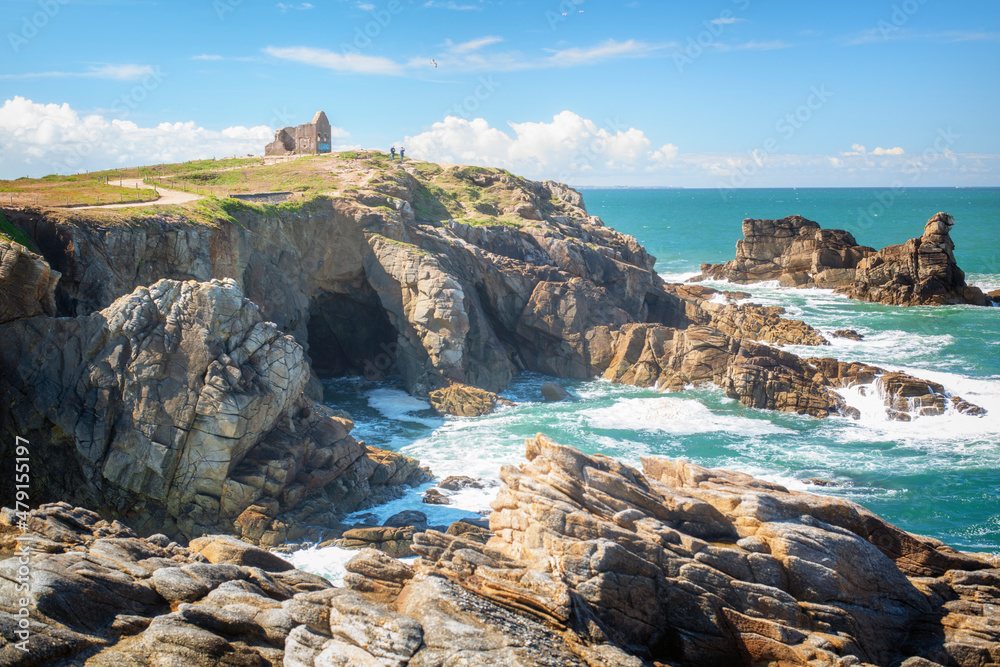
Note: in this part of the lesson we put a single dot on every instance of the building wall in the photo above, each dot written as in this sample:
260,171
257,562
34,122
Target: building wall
306,139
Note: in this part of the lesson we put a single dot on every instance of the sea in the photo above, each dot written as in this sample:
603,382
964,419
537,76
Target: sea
935,476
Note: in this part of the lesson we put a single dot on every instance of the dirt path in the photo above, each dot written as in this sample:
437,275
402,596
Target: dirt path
167,196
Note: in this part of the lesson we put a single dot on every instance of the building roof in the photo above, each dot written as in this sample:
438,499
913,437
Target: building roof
320,117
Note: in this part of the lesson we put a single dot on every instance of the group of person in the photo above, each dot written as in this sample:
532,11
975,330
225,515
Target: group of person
392,153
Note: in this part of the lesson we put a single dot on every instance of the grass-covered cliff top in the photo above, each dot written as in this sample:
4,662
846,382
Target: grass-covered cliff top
436,192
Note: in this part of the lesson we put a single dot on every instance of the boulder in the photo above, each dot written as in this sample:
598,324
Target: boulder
228,549
553,392
464,401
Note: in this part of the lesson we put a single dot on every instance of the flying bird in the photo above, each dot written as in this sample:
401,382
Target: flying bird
434,62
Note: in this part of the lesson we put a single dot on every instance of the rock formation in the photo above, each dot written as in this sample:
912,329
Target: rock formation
797,253
176,409
589,562
182,404
27,284
921,271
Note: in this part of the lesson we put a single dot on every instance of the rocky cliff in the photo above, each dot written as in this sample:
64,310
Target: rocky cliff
590,562
797,253
176,409
171,356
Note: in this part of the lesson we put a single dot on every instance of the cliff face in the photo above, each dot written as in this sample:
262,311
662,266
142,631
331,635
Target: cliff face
797,253
175,374
176,408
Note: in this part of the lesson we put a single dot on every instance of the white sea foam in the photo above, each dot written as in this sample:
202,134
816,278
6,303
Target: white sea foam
399,405
676,416
950,430
327,562
682,277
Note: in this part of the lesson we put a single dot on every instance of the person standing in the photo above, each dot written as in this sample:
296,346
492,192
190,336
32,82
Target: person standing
392,154
402,153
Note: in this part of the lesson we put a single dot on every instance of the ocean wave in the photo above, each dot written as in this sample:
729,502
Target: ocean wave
675,416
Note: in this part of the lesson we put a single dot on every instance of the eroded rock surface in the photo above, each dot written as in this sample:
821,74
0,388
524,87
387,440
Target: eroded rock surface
798,253
27,283
176,409
588,562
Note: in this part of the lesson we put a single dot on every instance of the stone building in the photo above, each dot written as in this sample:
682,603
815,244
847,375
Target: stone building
307,139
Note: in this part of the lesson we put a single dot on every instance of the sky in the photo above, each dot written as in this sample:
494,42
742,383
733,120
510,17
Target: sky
721,94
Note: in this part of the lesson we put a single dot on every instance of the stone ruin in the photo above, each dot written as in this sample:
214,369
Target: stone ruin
308,139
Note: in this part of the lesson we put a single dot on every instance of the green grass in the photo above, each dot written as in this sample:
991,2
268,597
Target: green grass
11,233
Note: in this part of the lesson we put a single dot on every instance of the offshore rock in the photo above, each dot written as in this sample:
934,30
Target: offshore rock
793,248
797,253
176,409
921,271
461,400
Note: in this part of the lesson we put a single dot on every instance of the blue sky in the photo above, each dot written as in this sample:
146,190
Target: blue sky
734,93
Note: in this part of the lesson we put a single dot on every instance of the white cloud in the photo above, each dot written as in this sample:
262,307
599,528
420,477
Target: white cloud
859,149
436,4
127,72
605,51
753,46
726,20
474,44
207,56
303,6
366,6
39,139
348,62
464,57
569,147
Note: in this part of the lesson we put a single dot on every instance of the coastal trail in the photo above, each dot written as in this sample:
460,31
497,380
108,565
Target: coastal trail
167,196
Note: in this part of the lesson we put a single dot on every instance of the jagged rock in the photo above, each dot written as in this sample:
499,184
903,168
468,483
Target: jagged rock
27,284
462,400
786,571
180,409
797,253
554,392
105,596
590,562
748,320
921,271
793,247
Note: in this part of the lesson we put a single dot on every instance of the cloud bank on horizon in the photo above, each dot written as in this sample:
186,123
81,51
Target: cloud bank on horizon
41,139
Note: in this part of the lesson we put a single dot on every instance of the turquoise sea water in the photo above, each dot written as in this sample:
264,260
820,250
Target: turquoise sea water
936,476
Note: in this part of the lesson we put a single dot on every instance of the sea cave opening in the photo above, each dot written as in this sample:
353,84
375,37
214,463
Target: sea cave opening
351,335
